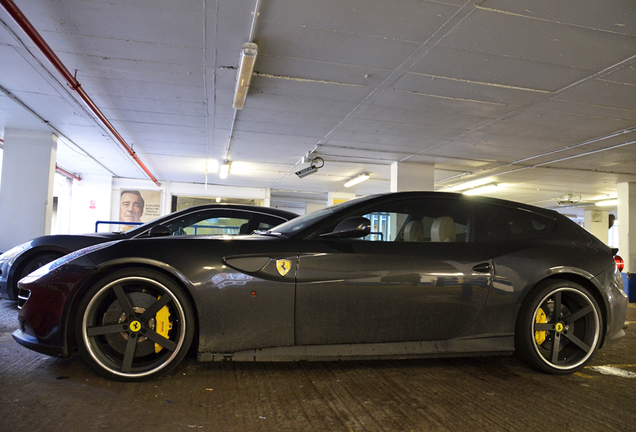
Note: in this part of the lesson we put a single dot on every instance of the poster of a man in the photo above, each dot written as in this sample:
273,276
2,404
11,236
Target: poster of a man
131,206
137,206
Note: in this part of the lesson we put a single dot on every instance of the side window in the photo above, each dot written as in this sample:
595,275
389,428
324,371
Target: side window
419,221
208,223
216,225
502,223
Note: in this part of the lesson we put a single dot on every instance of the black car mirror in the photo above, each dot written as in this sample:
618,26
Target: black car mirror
354,227
159,231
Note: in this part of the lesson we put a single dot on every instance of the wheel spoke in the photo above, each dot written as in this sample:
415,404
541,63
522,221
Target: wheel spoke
123,301
156,307
104,330
557,308
556,344
578,342
579,314
544,327
157,338
130,355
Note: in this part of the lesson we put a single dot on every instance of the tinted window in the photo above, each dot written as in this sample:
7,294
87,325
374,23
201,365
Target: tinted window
230,222
501,223
418,221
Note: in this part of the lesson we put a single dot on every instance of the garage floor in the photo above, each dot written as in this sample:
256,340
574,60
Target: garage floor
39,393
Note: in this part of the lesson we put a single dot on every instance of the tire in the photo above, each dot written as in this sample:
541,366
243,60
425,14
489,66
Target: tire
31,265
560,342
134,325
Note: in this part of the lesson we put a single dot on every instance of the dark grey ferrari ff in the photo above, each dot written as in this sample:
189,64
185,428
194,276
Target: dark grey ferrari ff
403,275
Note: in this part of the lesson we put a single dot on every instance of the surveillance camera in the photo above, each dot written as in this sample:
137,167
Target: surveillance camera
306,171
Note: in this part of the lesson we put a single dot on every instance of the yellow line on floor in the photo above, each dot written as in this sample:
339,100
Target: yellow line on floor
615,366
582,375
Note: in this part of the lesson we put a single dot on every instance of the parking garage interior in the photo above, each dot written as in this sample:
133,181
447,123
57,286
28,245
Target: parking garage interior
283,104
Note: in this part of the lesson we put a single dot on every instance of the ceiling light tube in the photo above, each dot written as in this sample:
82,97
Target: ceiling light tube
356,180
244,73
482,190
607,203
471,184
225,170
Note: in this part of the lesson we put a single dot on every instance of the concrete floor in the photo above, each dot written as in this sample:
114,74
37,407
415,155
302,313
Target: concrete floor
40,393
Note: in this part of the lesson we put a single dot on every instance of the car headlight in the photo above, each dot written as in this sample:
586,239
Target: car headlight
65,259
10,256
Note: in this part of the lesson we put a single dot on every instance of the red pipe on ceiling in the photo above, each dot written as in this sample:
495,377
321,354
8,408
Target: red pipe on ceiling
67,173
28,28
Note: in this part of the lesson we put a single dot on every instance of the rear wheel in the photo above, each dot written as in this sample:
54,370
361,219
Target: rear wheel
135,324
559,327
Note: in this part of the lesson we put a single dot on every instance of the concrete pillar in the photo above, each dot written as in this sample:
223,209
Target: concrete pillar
406,176
627,225
26,196
597,222
63,191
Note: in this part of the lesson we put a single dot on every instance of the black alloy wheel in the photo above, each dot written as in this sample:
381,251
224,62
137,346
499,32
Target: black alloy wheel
559,327
134,325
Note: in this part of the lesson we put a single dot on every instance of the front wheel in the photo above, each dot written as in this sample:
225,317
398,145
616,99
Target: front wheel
559,327
134,324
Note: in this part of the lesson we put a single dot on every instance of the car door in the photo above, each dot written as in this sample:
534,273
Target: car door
417,276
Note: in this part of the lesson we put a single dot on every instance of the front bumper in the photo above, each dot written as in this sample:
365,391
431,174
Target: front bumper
31,342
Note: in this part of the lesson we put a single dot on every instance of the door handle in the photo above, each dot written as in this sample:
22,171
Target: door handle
482,268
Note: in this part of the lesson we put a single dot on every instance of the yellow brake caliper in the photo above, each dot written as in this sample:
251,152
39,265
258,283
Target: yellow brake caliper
539,336
163,326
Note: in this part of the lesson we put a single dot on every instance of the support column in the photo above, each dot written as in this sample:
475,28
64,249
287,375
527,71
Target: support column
627,225
597,222
406,176
26,195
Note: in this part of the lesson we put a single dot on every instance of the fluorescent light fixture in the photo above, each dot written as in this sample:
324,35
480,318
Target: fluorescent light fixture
482,190
225,170
607,203
356,180
471,184
249,51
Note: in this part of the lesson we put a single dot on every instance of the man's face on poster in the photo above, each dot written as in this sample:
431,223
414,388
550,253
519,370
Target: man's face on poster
131,208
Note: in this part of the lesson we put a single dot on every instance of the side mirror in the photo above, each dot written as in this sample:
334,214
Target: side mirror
354,227
159,231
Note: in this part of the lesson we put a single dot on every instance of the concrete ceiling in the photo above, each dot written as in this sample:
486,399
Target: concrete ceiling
538,95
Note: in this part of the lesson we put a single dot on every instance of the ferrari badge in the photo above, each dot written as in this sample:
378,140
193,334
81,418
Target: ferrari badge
283,266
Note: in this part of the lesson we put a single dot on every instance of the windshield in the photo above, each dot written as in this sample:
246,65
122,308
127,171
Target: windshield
138,229
300,223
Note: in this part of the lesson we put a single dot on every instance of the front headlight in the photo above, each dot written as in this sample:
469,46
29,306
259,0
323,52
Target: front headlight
10,256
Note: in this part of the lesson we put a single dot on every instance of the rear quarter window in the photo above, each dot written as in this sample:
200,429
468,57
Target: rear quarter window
495,223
